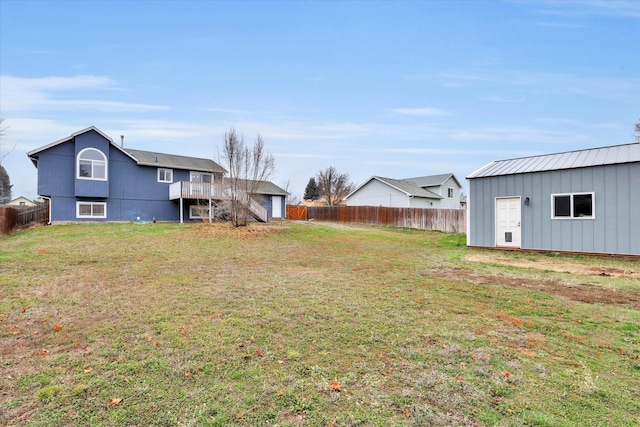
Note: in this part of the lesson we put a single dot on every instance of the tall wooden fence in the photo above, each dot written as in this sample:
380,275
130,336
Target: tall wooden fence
15,216
448,220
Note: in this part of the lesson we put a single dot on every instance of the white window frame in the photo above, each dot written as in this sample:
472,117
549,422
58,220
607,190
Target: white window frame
165,170
92,216
192,173
571,211
93,164
450,191
194,215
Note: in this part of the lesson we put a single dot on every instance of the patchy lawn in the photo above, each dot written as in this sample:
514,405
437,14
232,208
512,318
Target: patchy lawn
298,324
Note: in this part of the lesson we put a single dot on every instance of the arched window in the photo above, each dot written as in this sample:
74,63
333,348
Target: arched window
92,164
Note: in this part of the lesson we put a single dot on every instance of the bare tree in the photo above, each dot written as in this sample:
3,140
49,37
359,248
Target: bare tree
248,167
333,186
637,128
5,182
292,199
3,153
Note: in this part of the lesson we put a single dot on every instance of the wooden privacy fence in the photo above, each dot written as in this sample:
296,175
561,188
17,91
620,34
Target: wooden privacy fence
448,220
12,217
7,220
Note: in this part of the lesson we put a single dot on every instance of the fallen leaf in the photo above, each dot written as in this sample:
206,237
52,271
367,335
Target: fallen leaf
506,374
149,339
280,392
247,356
259,353
408,413
88,350
58,328
335,385
86,371
69,413
187,373
114,402
44,353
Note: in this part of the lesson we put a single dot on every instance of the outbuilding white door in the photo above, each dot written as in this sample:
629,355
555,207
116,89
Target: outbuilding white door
276,206
508,222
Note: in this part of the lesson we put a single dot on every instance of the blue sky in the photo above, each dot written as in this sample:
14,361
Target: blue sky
396,88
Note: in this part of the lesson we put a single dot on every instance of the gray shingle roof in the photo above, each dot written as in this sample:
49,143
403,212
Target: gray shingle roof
149,158
408,187
615,154
432,180
265,187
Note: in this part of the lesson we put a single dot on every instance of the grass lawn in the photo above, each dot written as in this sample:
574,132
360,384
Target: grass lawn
293,324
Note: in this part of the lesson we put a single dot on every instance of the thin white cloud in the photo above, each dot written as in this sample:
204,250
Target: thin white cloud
21,94
579,8
424,111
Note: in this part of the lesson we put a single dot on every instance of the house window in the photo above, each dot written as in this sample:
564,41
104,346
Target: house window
201,177
165,175
450,193
198,212
91,210
567,206
92,164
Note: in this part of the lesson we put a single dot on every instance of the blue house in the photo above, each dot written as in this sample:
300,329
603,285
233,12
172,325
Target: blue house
87,177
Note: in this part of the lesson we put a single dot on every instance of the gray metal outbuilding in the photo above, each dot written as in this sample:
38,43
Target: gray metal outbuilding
578,201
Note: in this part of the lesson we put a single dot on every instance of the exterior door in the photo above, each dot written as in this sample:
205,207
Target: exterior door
508,222
276,206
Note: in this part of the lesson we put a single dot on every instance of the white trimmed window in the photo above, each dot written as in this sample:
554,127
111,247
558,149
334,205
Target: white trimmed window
92,164
91,210
201,177
198,212
165,175
450,193
573,206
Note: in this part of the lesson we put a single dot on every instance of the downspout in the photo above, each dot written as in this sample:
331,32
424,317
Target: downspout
49,199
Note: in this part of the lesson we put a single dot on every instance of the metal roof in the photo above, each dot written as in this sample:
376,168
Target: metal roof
149,158
615,154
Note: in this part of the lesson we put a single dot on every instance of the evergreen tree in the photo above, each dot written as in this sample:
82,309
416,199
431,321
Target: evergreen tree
312,192
5,186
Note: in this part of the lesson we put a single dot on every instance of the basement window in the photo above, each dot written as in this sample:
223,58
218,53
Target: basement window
91,210
573,206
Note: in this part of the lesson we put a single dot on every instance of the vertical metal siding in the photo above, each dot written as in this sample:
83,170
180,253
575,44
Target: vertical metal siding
615,228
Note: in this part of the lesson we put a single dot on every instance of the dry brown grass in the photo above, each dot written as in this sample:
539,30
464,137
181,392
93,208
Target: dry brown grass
281,324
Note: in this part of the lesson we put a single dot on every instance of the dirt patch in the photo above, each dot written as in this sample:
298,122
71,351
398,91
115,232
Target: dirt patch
553,265
252,230
575,292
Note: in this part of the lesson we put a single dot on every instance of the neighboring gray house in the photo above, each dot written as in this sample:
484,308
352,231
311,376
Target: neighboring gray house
577,201
434,191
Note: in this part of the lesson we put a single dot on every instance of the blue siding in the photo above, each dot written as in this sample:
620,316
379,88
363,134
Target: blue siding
615,228
89,187
130,192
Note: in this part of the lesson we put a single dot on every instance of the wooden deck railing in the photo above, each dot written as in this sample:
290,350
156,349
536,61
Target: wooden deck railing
195,190
207,190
